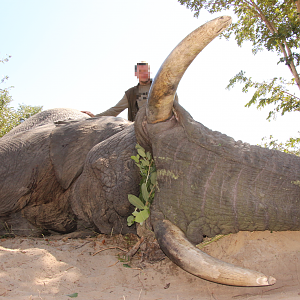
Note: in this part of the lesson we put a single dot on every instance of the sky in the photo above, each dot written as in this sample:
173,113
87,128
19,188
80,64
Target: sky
81,54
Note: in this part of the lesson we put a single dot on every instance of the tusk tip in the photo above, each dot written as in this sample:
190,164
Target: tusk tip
266,280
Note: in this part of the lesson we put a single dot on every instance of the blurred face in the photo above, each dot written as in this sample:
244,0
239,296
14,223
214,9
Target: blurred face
143,73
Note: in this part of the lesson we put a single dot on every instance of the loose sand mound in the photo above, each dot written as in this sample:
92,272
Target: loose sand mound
55,267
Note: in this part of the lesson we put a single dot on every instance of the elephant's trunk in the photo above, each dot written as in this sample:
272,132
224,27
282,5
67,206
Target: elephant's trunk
163,89
176,246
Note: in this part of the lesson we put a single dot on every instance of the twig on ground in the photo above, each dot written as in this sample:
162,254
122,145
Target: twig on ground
139,278
211,240
77,247
113,264
135,248
108,249
140,294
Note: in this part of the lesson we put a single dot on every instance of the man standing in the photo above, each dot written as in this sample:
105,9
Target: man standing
135,97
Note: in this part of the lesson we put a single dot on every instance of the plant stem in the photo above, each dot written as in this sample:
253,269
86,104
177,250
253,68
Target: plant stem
149,170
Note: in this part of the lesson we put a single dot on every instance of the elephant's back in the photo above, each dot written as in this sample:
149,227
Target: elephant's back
46,117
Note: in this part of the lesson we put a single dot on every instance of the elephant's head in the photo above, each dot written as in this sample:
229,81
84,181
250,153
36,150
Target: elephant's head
209,184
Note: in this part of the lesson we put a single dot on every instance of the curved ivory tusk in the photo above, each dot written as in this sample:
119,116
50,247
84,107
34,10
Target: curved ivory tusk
163,89
176,246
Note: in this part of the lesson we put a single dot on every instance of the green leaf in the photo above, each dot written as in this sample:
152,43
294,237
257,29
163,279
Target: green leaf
145,192
135,213
136,158
136,201
153,177
145,163
138,146
142,216
123,258
148,154
126,266
74,295
141,152
130,220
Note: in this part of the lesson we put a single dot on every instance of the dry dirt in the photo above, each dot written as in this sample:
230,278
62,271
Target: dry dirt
55,267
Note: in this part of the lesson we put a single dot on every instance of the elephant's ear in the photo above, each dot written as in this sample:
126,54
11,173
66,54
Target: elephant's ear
24,160
72,140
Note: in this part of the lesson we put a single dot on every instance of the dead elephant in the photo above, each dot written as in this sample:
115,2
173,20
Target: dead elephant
54,175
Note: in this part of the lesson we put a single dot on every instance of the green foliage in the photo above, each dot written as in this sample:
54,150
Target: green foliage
74,295
142,203
10,117
274,91
268,24
291,146
265,23
6,59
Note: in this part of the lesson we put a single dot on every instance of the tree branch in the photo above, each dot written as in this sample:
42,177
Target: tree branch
297,2
283,47
291,95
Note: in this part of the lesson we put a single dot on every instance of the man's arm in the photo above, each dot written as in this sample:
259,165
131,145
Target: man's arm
113,111
117,109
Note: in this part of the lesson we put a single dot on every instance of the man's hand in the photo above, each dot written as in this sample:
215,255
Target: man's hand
88,113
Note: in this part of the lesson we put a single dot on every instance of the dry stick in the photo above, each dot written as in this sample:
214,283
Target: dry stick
147,202
214,239
135,248
108,249
150,193
113,264
149,170
141,280
77,247
140,294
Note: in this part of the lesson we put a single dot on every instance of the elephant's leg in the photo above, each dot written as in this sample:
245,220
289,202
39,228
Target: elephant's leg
56,215
16,224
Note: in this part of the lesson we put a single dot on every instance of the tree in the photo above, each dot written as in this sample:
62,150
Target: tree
268,24
10,117
292,145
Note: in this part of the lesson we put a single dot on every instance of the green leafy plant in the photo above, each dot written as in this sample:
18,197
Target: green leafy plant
142,203
9,116
269,92
291,146
74,295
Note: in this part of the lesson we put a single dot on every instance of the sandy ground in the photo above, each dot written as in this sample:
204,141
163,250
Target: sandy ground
55,267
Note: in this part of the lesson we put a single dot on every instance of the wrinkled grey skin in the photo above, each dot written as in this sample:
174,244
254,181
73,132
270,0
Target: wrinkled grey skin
210,184
58,176
44,185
